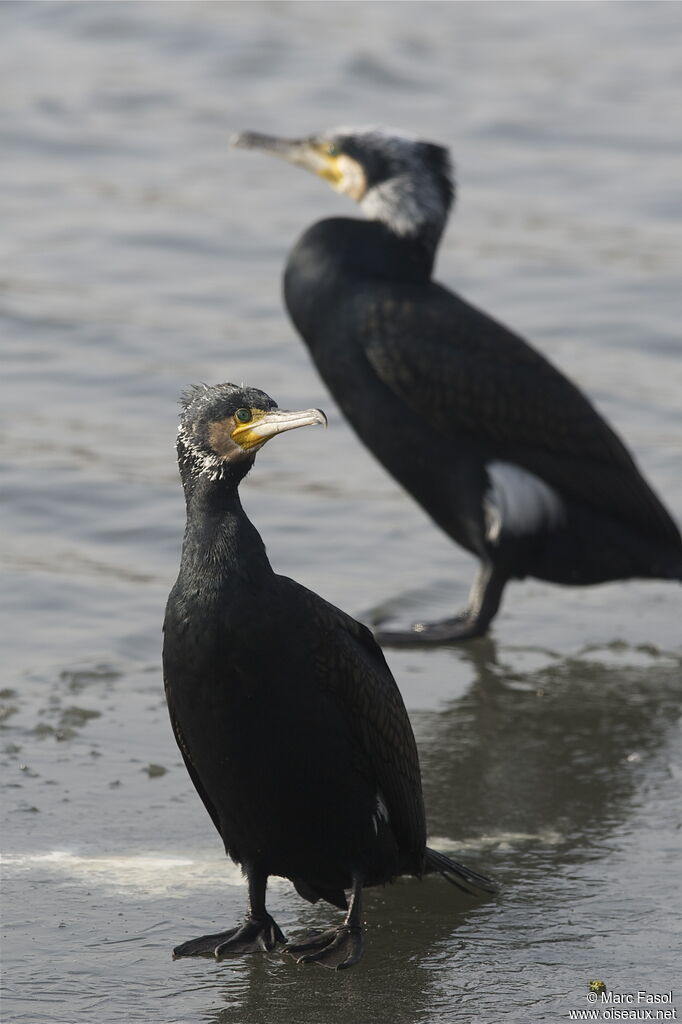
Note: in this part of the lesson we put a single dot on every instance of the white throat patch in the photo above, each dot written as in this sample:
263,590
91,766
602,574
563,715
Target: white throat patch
409,200
405,205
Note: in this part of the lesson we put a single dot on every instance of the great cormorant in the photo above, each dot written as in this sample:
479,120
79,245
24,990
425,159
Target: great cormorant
506,455
290,723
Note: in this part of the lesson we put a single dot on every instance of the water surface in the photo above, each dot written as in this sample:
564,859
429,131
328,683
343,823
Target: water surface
141,255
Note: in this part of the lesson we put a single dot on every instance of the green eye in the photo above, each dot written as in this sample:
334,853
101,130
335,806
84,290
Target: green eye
243,415
332,150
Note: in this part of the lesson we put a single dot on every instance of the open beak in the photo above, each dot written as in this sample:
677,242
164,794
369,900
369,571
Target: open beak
303,152
276,421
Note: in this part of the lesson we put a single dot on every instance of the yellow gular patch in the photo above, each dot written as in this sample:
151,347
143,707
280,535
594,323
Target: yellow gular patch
353,179
342,172
242,433
325,165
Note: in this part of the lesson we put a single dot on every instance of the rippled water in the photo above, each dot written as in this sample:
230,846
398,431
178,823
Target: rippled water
141,255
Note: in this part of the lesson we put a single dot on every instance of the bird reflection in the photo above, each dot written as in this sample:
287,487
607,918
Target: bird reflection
551,752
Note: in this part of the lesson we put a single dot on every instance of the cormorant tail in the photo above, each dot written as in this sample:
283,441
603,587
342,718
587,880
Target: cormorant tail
457,874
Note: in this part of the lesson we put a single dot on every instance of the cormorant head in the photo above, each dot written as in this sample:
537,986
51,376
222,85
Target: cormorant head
399,180
222,428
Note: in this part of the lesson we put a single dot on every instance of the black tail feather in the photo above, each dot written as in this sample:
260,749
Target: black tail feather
457,874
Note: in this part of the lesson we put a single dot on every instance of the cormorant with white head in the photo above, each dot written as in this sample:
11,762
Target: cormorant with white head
506,455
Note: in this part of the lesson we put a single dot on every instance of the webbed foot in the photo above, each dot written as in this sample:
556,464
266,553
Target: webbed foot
255,935
336,949
484,601
484,598
461,627
205,945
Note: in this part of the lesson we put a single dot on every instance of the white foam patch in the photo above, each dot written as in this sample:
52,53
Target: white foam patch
141,874
495,841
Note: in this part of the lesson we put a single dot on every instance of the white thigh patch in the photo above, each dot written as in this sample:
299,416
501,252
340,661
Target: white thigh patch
381,813
518,502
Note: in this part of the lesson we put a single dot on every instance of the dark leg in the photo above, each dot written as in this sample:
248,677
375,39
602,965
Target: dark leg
484,600
337,948
259,932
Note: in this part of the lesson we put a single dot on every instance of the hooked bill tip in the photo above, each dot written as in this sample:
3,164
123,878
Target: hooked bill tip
240,139
252,140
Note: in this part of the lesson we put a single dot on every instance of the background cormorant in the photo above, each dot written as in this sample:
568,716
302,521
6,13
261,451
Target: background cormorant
505,454
288,718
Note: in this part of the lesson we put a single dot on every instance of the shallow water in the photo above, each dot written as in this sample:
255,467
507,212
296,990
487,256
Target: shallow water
141,255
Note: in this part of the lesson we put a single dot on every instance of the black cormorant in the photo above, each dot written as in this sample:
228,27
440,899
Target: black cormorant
504,453
290,723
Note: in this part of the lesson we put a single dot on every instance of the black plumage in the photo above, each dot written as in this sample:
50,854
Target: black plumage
504,452
290,723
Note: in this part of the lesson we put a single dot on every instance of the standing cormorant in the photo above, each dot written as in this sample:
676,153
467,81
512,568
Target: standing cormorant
506,455
290,723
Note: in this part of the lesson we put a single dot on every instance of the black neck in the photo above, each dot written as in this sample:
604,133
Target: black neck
221,543
338,253
371,249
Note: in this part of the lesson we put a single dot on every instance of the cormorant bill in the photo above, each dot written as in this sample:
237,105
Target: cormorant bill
506,455
289,721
